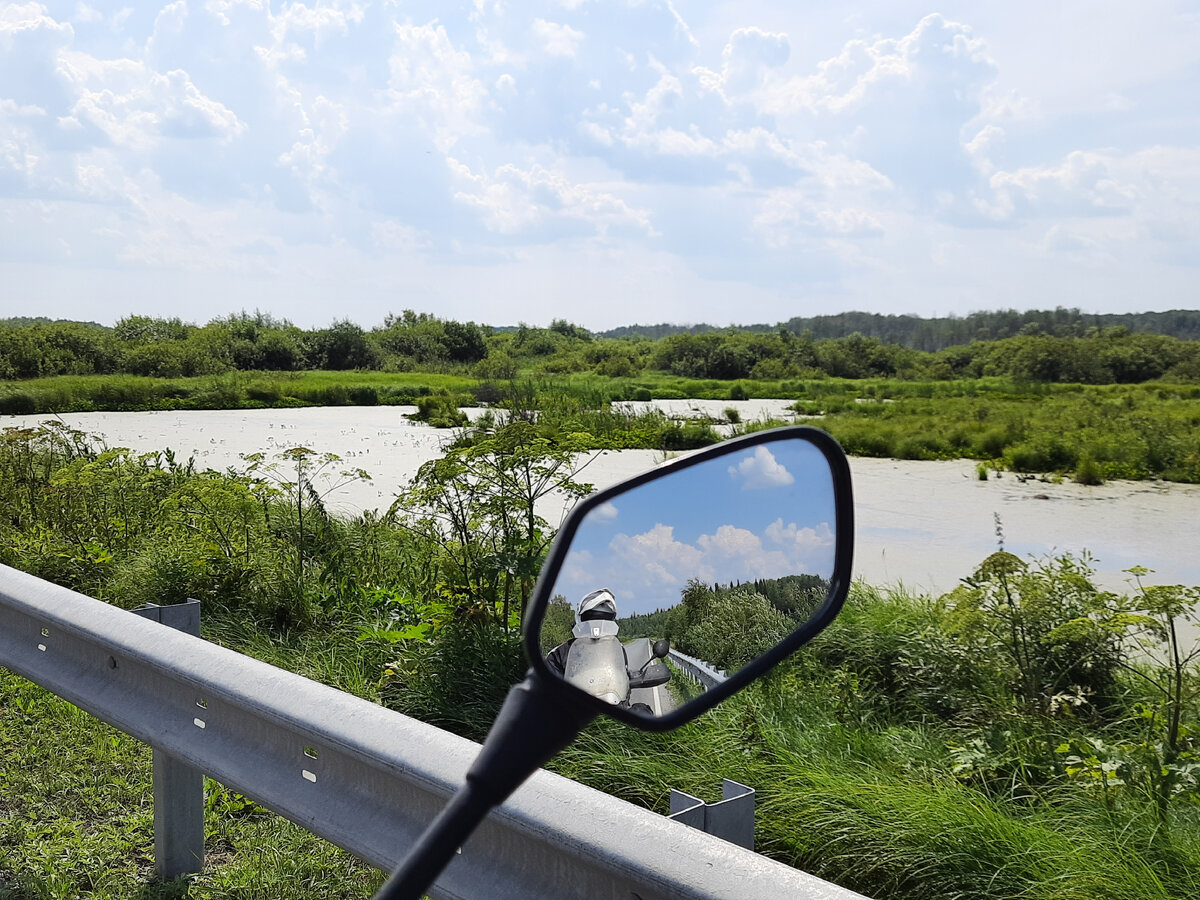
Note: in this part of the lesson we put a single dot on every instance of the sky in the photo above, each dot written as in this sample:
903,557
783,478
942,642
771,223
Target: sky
611,163
765,512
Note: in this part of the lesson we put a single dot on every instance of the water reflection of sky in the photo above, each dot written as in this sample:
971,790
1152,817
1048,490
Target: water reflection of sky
762,513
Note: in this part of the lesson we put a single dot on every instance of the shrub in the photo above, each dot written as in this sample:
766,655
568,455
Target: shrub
688,436
440,410
17,403
336,395
460,678
364,395
265,393
1088,472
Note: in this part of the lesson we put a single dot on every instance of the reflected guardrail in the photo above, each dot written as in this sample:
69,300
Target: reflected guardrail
697,669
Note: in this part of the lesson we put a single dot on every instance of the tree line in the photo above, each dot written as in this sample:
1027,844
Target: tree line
940,332
1041,351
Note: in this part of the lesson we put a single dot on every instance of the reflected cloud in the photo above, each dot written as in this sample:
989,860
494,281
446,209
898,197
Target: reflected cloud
606,512
761,470
803,540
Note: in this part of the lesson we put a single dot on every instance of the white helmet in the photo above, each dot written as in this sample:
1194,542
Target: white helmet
599,604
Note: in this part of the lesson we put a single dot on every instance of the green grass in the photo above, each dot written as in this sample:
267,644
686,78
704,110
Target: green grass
876,810
855,747
234,390
76,820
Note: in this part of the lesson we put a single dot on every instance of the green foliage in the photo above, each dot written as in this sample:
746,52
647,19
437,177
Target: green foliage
1034,347
441,410
136,528
478,503
1026,735
1047,626
457,680
299,480
1087,472
558,623
343,345
421,339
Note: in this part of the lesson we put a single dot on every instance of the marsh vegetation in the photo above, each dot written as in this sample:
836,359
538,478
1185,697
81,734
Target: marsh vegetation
1090,403
1026,734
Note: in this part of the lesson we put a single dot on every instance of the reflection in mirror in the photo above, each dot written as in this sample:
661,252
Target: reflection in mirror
679,582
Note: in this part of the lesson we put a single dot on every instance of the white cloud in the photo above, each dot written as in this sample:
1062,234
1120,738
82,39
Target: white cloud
737,554
398,237
322,20
746,59
557,39
800,543
1083,183
1074,245
18,18
866,69
171,17
605,512
761,469
436,81
136,107
655,561
308,155
800,162
513,200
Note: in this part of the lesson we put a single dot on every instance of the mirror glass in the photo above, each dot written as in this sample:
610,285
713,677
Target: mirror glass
722,559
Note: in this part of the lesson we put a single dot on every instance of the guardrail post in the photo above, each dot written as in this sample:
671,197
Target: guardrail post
178,788
731,818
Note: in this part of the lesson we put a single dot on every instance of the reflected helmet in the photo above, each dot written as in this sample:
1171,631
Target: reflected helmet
599,604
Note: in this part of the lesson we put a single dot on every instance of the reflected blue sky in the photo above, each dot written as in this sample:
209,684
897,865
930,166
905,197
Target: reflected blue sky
764,512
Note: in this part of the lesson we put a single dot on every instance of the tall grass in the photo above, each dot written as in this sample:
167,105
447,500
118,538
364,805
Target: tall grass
233,390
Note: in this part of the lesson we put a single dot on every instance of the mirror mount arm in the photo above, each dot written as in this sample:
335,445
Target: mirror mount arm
535,723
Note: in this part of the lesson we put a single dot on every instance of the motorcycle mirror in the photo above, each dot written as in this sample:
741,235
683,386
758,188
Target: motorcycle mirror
735,556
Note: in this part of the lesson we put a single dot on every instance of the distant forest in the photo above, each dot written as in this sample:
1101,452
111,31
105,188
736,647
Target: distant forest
1062,345
935,334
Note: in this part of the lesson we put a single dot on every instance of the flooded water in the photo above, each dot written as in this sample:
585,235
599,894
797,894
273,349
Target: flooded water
921,524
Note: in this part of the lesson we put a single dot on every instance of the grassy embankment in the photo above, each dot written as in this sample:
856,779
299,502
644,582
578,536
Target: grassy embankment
858,787
995,743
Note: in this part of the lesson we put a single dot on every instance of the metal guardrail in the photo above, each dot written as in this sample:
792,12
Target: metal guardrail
361,776
697,669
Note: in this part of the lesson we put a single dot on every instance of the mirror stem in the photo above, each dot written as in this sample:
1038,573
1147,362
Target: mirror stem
535,723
